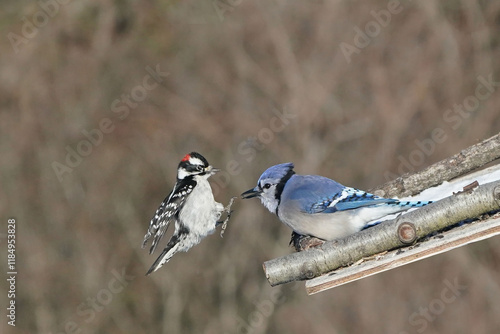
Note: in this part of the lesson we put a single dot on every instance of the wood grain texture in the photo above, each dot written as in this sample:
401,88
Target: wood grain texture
446,241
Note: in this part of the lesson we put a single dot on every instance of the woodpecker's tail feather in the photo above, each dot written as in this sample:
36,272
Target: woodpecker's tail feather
165,256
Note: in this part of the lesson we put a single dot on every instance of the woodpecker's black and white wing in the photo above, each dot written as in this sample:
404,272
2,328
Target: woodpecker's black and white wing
168,212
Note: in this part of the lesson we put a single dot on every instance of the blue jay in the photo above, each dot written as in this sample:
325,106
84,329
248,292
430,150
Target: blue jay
313,205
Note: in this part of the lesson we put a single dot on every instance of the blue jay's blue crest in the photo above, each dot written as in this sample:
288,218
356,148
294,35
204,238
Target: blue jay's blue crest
276,173
317,206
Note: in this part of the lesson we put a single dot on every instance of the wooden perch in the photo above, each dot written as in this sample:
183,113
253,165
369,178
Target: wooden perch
388,235
467,160
440,243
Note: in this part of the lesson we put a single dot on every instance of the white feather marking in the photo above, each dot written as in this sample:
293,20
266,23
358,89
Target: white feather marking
195,161
345,194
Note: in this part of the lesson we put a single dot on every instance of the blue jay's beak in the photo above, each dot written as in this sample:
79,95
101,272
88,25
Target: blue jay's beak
251,193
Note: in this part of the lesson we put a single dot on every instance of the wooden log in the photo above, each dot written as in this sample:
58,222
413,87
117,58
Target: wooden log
467,160
437,244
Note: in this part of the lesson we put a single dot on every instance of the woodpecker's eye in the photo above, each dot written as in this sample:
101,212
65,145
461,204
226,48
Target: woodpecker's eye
199,168
267,186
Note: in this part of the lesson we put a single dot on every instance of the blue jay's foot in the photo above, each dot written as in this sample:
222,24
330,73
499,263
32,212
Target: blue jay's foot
228,210
304,242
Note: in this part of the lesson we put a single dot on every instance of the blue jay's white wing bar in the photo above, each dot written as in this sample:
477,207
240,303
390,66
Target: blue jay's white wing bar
342,252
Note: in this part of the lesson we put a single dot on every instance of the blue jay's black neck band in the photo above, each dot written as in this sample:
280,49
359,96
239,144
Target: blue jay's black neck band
281,186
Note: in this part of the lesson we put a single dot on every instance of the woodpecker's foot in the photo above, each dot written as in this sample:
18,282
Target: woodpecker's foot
228,210
304,242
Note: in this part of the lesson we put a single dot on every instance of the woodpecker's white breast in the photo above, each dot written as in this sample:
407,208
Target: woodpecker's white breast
201,211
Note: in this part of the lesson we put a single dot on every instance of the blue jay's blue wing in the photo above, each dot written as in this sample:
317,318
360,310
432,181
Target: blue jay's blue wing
349,199
317,194
311,193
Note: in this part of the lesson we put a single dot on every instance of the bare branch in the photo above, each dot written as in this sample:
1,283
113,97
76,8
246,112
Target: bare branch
467,160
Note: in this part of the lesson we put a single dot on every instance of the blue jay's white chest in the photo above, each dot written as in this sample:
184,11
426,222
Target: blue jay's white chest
201,211
329,226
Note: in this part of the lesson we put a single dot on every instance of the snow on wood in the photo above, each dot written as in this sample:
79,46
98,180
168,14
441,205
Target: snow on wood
448,188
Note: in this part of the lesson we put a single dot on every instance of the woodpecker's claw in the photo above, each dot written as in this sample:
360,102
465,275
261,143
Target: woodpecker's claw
229,212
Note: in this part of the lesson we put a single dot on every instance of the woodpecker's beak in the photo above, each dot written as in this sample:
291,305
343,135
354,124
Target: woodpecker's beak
212,170
251,193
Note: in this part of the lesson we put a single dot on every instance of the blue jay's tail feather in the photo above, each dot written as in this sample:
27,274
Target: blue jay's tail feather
404,204
351,198
417,204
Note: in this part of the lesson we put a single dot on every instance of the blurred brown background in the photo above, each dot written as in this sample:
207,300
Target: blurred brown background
348,90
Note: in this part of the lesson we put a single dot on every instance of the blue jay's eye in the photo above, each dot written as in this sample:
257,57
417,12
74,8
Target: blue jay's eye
267,186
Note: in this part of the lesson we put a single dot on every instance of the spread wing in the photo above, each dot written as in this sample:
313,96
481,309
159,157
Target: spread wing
167,212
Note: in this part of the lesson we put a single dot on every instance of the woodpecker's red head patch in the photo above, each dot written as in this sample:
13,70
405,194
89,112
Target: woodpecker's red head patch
194,158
